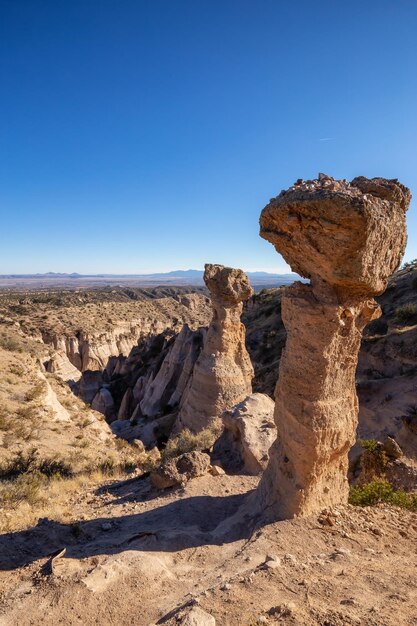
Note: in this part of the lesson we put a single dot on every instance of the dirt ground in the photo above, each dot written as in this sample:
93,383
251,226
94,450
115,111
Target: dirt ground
139,557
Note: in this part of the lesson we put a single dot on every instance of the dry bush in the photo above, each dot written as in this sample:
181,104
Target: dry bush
37,391
11,343
406,313
186,441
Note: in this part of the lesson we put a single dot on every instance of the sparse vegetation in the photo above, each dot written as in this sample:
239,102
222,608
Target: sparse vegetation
373,460
406,313
409,264
31,463
37,391
186,441
10,343
382,491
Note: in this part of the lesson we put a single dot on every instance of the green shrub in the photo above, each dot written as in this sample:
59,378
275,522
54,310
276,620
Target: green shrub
406,313
382,491
373,460
371,445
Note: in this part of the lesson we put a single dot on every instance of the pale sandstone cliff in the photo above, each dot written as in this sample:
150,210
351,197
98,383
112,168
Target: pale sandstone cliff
347,238
223,373
90,343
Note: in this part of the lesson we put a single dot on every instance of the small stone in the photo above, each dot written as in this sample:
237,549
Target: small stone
282,610
106,526
138,445
272,561
343,551
225,587
198,617
216,470
289,558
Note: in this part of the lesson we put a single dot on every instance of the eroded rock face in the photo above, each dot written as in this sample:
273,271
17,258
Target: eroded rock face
223,373
347,238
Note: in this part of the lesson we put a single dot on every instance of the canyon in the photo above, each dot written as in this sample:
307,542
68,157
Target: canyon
158,466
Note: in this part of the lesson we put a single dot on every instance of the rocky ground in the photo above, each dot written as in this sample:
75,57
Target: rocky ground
134,556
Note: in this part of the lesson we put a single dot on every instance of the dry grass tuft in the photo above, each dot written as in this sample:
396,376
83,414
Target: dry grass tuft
186,441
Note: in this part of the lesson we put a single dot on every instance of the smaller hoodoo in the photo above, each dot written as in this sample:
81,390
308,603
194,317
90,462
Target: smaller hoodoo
223,373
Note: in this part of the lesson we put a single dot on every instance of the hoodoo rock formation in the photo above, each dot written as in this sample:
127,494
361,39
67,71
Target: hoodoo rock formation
347,238
223,373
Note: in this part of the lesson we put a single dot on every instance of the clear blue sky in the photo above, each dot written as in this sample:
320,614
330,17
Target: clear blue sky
140,136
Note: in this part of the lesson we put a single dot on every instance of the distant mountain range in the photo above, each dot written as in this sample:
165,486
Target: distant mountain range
175,277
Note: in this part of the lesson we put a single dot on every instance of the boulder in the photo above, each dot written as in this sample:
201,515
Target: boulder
180,470
104,403
249,432
392,449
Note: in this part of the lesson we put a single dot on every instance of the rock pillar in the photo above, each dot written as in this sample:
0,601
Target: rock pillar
223,372
347,238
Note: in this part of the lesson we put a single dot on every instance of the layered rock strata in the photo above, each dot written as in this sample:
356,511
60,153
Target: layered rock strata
347,238
223,373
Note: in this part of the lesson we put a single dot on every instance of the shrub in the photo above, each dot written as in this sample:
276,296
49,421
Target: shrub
371,445
25,488
30,463
373,460
186,441
382,491
20,464
16,369
37,391
406,313
409,264
108,466
12,344
54,468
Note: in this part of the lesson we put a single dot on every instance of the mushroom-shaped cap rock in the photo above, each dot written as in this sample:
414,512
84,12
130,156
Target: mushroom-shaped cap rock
227,285
349,235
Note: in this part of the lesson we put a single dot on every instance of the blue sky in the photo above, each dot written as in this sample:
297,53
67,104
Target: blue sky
141,136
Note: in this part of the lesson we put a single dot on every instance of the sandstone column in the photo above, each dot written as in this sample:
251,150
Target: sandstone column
347,238
223,373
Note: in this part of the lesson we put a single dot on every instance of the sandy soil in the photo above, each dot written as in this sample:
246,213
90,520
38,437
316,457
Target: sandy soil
136,557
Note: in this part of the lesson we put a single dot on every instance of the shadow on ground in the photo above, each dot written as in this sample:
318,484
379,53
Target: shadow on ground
184,523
